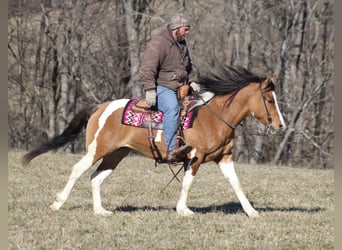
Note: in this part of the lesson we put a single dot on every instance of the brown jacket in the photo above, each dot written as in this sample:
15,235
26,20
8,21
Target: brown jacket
165,63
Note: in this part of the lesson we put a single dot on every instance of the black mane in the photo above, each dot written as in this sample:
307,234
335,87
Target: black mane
228,79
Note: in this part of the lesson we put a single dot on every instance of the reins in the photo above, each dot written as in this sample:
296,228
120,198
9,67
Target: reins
231,98
269,118
216,115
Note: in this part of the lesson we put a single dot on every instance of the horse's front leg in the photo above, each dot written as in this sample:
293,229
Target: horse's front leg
182,207
189,176
228,170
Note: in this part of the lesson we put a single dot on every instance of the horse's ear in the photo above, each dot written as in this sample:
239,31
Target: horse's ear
273,79
268,82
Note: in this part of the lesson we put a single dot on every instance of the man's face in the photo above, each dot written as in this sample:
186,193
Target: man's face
182,32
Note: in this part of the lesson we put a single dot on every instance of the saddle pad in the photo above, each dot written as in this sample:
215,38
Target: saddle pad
140,119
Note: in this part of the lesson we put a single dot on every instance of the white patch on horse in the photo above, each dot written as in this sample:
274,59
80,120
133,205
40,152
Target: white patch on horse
86,162
78,169
96,183
278,110
110,109
182,207
229,173
193,153
158,137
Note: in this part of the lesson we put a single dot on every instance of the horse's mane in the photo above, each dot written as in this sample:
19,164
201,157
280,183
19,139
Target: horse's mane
224,79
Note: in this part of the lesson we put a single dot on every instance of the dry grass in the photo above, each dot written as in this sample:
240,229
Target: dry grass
296,205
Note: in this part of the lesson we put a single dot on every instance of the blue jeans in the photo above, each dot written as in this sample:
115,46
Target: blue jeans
167,103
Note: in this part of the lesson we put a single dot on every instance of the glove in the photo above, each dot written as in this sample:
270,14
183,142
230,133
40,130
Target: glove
151,97
195,87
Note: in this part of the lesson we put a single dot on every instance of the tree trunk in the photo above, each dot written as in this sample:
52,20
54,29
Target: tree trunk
64,73
291,126
133,44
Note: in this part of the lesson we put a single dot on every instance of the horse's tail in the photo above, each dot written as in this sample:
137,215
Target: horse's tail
69,134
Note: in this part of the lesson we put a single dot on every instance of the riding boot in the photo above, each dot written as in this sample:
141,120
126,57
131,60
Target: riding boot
178,153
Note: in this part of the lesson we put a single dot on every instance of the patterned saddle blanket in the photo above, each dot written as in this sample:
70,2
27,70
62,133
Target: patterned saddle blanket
140,119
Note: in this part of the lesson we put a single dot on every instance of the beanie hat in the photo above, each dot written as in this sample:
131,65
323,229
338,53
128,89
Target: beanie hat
179,20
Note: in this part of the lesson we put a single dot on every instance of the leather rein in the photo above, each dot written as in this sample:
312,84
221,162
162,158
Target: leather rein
228,124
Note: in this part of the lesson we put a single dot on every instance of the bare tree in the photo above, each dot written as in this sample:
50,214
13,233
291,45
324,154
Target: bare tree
133,48
64,55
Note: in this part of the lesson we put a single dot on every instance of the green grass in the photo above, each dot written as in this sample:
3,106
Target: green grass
296,205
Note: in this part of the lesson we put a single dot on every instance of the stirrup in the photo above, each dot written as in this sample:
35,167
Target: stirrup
179,153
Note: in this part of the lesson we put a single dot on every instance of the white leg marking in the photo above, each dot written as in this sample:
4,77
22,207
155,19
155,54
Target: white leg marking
229,173
86,162
96,183
182,207
278,110
193,153
78,169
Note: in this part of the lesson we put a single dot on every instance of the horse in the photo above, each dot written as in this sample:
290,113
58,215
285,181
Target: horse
236,94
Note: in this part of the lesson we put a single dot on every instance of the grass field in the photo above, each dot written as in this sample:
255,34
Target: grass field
296,205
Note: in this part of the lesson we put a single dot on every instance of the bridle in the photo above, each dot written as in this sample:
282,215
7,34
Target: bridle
216,115
269,118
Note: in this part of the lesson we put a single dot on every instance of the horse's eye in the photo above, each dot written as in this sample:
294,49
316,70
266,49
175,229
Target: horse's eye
270,101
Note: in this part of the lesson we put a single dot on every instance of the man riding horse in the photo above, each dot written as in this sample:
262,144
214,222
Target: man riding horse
165,69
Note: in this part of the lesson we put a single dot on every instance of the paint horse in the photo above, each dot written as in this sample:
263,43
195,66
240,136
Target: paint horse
237,93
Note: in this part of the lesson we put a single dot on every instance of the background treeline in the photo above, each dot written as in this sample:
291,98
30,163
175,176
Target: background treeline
66,54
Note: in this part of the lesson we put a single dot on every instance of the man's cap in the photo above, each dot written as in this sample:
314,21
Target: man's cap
179,20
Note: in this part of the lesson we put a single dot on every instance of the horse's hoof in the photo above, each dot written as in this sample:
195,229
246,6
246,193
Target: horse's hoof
53,207
185,212
254,215
103,212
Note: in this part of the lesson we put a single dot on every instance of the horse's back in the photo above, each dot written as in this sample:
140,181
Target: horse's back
106,119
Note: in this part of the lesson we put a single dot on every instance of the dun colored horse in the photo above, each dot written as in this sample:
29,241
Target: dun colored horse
237,93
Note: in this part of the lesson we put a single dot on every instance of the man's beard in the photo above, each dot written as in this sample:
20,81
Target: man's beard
179,37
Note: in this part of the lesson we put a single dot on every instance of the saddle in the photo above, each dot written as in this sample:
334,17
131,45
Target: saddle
137,113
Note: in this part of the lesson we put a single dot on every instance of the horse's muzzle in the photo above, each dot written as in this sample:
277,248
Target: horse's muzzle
271,129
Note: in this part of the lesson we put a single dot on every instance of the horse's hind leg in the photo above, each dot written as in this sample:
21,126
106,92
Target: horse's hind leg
78,169
106,167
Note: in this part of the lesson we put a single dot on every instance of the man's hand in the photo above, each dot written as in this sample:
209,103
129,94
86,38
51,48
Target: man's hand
151,97
195,87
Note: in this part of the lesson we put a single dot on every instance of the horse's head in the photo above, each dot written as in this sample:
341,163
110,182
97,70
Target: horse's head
255,95
265,107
